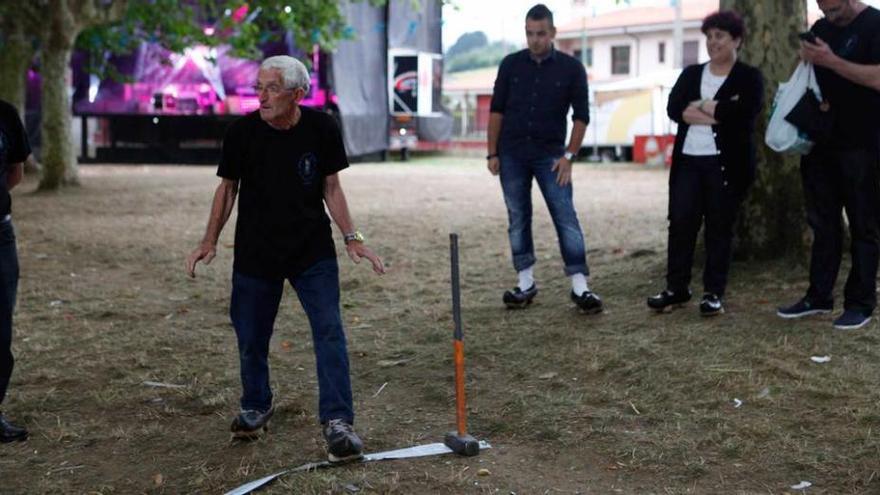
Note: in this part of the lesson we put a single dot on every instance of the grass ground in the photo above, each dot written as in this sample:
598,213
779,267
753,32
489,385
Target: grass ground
622,402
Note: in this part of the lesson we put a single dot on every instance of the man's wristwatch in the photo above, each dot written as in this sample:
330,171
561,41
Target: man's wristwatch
569,156
353,236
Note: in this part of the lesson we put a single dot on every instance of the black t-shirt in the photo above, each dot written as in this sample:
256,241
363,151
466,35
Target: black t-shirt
856,108
14,148
282,227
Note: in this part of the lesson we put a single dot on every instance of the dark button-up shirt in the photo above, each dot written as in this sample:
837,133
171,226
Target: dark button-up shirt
534,97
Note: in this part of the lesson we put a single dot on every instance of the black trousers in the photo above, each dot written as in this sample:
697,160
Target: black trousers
8,289
836,181
697,194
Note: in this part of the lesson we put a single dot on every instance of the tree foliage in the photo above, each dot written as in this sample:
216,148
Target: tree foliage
486,56
467,42
119,26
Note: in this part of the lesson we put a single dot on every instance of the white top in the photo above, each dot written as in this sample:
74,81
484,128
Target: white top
700,139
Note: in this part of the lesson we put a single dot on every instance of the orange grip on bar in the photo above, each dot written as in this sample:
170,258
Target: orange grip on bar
460,413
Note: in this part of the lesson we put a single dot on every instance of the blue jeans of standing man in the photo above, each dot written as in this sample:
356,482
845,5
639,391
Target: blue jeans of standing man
8,289
516,183
253,309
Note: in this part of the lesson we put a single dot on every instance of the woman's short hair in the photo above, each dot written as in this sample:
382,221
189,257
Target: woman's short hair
293,73
725,20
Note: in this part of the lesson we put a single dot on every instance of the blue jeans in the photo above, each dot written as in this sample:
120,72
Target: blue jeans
253,309
516,183
8,289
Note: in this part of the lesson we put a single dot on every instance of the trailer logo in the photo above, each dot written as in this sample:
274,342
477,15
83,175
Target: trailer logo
308,169
406,82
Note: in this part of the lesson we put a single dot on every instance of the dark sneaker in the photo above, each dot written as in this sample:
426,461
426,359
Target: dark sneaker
667,300
588,302
10,432
851,319
343,444
518,298
804,307
711,305
250,423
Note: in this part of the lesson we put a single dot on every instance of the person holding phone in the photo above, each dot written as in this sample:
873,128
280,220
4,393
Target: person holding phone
842,173
713,162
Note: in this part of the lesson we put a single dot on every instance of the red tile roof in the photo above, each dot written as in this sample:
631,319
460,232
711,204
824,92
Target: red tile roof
692,10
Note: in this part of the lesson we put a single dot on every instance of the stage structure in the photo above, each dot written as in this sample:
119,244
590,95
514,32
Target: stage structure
175,107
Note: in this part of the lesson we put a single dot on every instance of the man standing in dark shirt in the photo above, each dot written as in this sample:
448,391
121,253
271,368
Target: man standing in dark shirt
284,160
533,91
14,150
842,174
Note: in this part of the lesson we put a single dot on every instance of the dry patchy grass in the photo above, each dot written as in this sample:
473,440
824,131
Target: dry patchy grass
622,402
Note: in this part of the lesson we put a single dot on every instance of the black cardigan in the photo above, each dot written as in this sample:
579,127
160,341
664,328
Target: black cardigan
740,100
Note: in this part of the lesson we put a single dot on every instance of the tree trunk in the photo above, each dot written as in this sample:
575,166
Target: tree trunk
772,221
59,160
16,53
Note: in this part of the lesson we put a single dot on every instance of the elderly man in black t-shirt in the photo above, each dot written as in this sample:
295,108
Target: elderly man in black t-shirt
282,161
842,174
14,150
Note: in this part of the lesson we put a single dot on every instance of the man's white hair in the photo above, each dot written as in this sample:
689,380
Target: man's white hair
293,73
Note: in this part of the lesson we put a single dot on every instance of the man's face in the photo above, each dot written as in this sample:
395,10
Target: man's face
539,35
838,12
276,101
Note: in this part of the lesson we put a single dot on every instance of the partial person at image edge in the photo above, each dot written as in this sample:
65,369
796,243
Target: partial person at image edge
14,151
842,173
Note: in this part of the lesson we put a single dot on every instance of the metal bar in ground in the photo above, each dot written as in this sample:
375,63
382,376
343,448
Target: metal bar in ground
407,453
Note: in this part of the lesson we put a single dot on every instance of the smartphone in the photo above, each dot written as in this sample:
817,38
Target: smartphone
808,36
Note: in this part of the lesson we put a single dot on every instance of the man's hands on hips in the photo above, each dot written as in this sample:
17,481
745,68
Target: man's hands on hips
494,165
357,250
204,253
562,167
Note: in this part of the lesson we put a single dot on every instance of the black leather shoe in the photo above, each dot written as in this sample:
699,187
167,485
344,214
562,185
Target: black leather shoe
588,302
667,300
711,305
11,433
518,298
249,423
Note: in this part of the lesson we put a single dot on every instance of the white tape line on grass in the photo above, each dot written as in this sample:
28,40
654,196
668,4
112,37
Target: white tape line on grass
407,453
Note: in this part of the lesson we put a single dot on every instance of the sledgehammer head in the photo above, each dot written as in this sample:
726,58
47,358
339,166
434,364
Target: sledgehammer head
462,444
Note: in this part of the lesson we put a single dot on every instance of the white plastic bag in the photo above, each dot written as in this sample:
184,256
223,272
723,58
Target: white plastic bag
782,136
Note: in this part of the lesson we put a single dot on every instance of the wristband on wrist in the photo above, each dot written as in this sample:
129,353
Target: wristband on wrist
491,156
353,236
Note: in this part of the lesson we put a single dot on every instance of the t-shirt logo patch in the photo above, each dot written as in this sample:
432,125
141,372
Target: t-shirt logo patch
308,168
849,46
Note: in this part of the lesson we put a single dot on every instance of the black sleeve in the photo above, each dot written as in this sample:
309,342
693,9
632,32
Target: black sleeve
580,97
875,45
334,158
499,93
19,147
747,106
677,97
233,151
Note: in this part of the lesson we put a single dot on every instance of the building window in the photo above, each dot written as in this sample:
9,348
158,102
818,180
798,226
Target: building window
577,55
620,60
661,52
690,53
